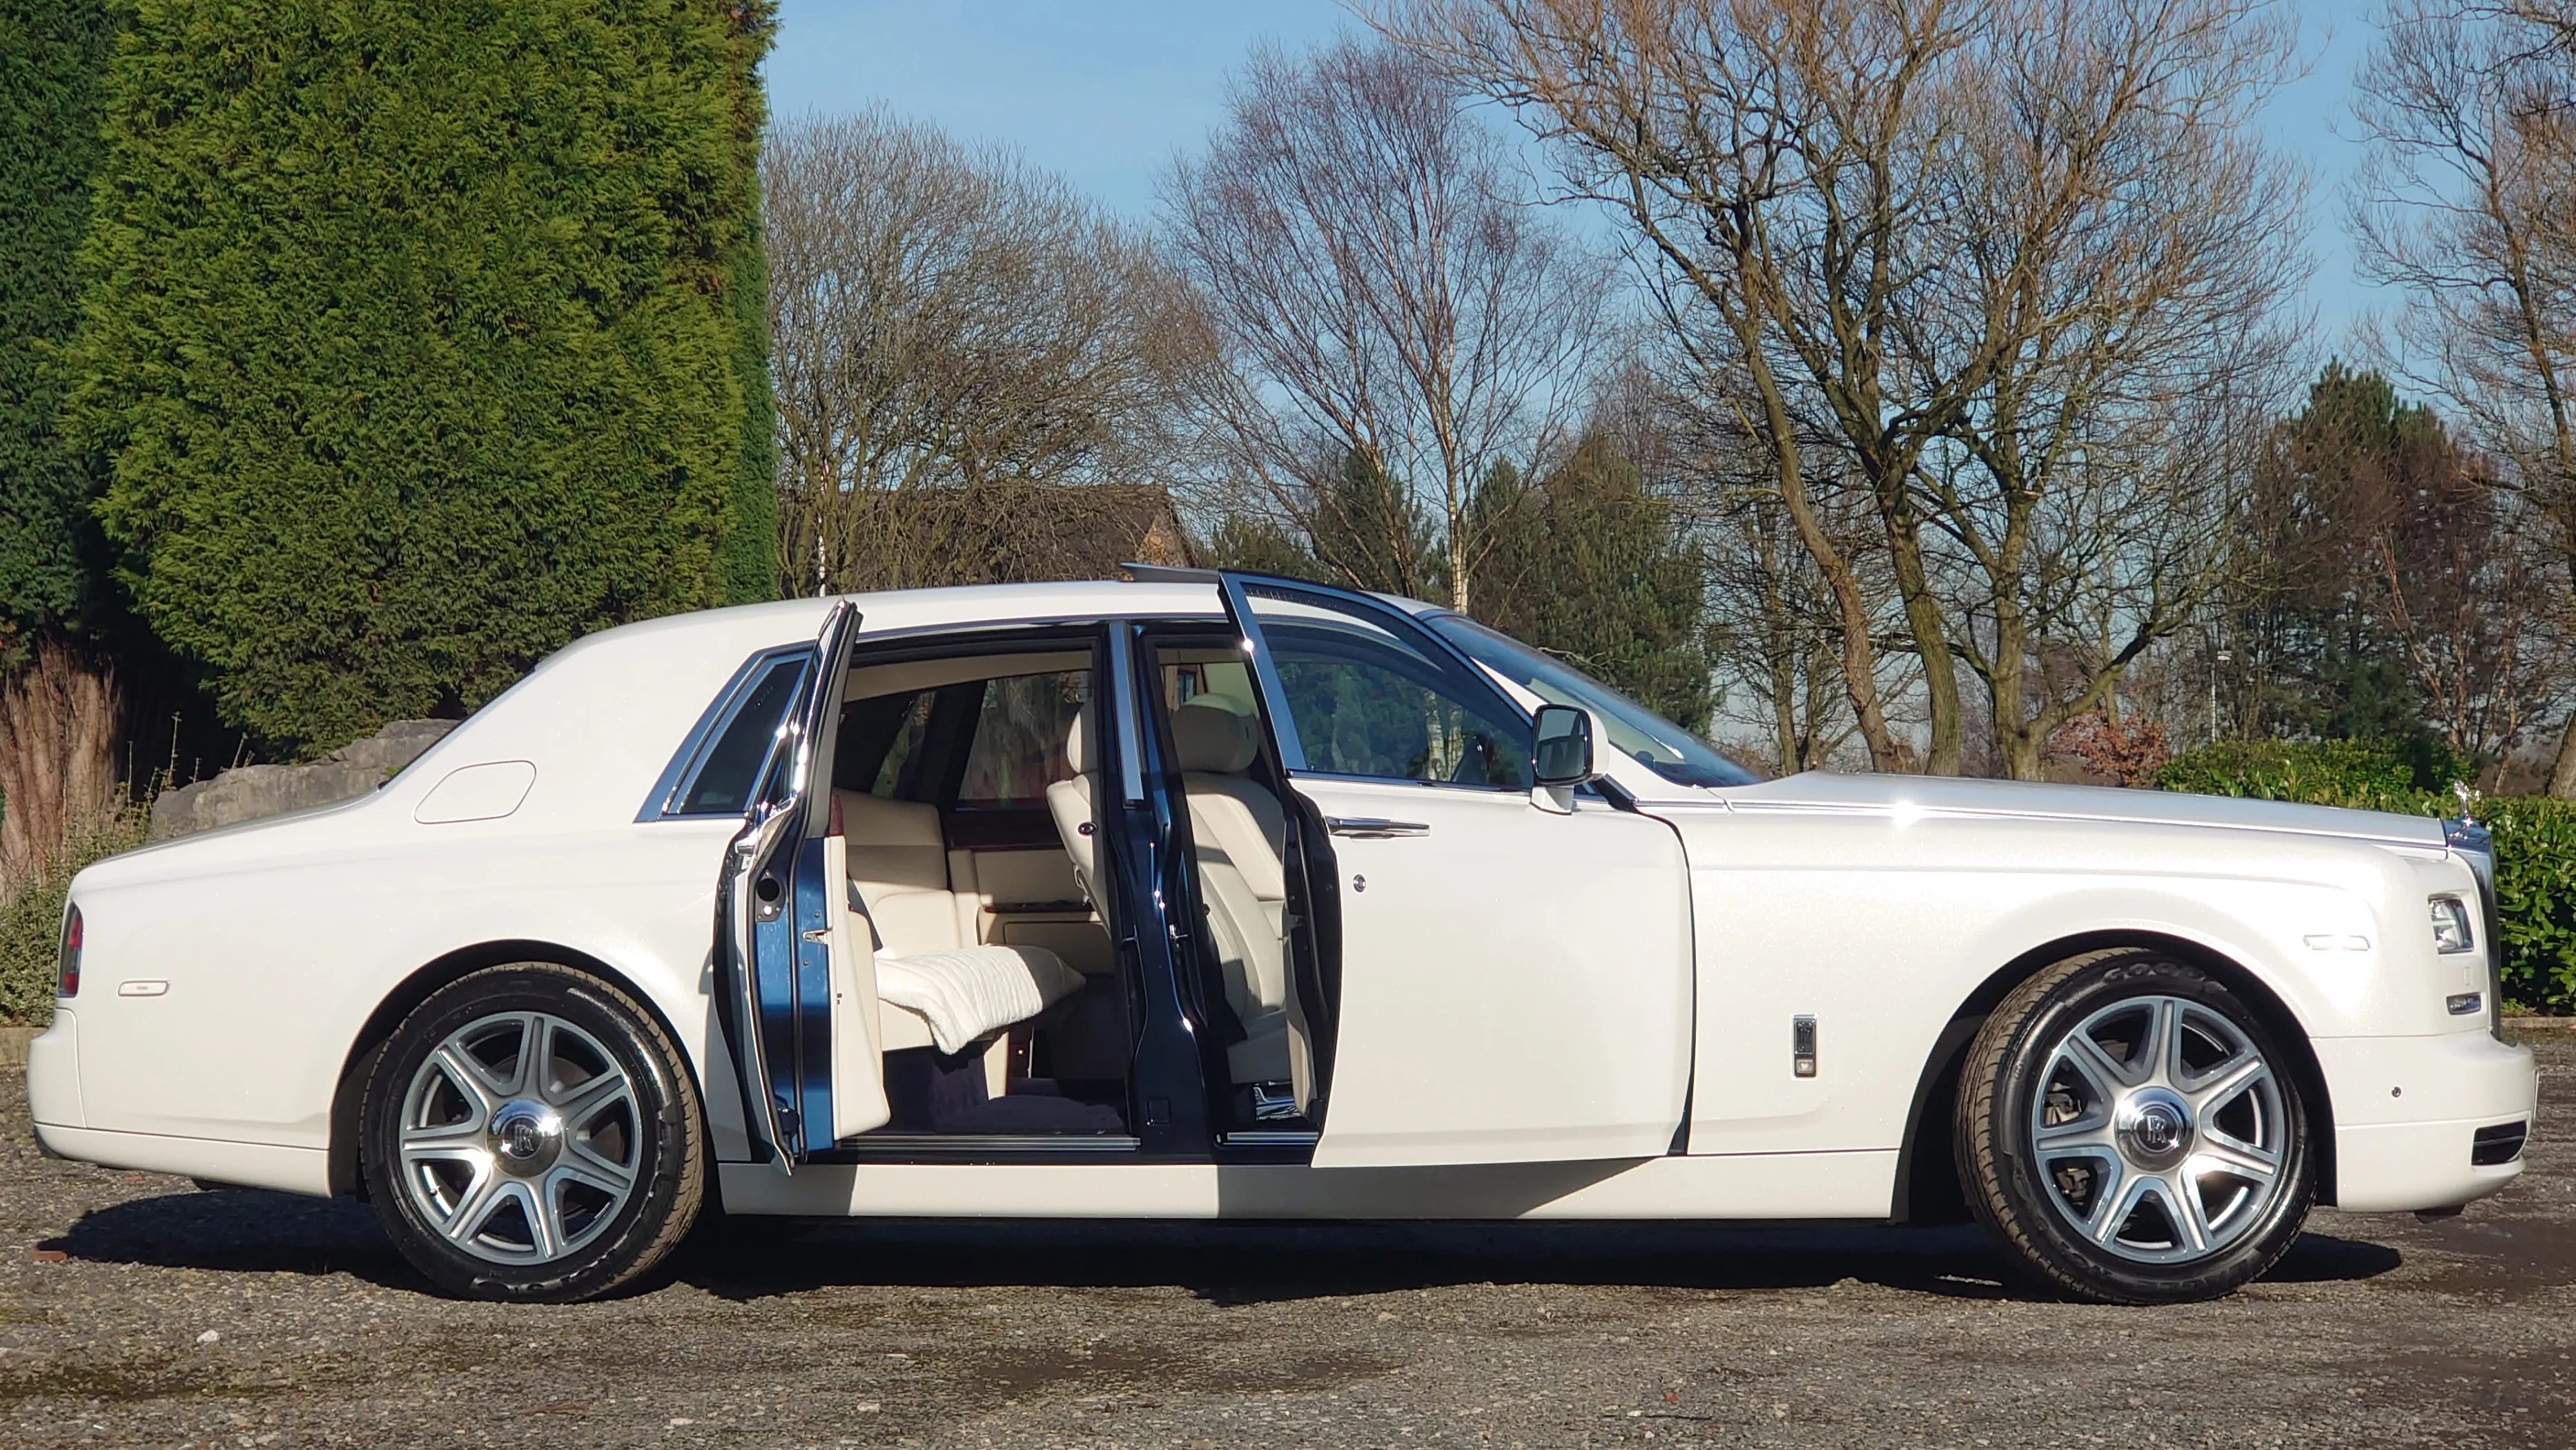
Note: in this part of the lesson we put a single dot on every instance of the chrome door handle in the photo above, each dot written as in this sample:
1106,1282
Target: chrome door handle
1374,828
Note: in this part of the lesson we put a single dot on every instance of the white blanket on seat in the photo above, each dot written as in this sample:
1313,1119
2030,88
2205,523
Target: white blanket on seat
967,992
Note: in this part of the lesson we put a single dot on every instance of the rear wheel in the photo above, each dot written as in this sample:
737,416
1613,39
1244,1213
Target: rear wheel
2129,1131
532,1134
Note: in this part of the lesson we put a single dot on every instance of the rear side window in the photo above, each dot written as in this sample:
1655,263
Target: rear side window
1019,738
728,774
881,744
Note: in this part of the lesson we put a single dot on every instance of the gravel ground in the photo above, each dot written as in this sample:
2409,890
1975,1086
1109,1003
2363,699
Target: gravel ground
137,1310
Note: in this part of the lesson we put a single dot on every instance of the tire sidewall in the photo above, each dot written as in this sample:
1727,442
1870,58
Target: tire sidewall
662,1112
2019,1181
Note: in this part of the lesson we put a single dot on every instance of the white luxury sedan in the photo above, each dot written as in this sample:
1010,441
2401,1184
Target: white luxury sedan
1218,895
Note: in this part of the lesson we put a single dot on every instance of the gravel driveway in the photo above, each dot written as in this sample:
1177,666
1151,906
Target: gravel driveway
137,1310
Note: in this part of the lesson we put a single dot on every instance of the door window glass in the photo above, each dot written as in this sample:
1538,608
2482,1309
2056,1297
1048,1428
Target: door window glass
1019,738
723,783
880,751
1366,701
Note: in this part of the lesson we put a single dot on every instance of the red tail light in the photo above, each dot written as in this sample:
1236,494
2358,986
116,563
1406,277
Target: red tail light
67,975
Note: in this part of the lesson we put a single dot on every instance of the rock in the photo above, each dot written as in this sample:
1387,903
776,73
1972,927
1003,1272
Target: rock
249,792
209,1337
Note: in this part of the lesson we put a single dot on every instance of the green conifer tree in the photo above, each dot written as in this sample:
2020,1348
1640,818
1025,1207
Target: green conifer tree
1590,564
416,340
58,695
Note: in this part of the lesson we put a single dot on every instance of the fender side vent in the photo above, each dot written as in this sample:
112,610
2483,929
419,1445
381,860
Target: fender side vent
2499,1144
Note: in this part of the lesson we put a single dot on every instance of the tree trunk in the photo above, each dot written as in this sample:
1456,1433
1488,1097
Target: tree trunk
2562,771
1924,621
58,717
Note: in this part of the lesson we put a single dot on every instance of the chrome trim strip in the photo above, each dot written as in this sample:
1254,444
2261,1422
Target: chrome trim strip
970,1145
1374,828
1274,693
1272,1138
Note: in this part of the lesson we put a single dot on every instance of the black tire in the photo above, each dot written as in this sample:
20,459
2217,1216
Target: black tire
2063,1218
653,1132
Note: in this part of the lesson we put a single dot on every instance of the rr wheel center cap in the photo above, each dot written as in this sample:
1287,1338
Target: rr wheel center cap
2154,1128
526,1138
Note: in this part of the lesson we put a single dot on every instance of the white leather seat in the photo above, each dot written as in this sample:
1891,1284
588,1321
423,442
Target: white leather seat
1240,839
1069,801
899,864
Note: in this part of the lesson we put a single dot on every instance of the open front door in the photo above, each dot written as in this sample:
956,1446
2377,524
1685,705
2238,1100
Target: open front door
1515,981
775,931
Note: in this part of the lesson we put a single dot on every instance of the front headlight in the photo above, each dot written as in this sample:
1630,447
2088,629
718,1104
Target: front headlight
2451,926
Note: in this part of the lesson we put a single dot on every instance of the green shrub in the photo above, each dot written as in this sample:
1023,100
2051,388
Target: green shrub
31,923
2331,771
2535,840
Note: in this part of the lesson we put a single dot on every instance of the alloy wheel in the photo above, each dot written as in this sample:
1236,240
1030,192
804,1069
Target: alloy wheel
519,1140
2159,1130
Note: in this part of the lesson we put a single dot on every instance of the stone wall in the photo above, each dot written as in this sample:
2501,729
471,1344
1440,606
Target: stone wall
248,792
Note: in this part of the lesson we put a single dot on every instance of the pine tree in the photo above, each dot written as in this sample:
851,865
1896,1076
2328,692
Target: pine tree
1589,564
416,340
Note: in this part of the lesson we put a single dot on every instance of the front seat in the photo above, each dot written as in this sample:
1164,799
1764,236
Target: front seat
1069,801
1239,836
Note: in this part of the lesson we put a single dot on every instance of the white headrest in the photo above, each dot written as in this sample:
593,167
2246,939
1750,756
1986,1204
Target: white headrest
1209,735
1077,742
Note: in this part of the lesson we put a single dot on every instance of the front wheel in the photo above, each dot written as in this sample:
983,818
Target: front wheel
532,1134
2130,1132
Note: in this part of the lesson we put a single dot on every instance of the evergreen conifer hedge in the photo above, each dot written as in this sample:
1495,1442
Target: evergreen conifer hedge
416,339
51,54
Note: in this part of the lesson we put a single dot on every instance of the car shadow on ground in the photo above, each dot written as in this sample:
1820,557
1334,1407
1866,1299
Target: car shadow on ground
250,1232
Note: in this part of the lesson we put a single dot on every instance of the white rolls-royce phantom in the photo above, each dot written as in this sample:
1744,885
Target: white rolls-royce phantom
1219,895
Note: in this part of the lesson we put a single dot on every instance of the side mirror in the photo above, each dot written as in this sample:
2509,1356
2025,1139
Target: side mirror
1561,747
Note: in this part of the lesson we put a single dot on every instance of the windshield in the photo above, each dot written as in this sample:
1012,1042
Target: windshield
1635,731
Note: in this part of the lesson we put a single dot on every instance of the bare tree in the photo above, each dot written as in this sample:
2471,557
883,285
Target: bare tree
2005,250
1384,301
1776,630
1773,161
2468,203
2134,249
944,318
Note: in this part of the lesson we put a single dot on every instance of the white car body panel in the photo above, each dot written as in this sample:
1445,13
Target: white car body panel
1552,952
1879,905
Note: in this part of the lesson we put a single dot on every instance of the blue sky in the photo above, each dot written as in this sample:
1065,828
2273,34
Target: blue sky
1105,91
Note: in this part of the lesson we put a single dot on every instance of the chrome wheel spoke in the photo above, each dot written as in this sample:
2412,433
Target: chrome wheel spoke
2103,1074
545,1226
592,1171
2086,1137
2219,1153
447,1143
470,1077
2183,1212
584,1102
2226,1082
536,1050
2162,1051
2113,1202
474,1208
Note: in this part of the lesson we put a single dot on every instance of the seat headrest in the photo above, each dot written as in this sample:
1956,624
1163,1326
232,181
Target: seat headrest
1077,742
1212,736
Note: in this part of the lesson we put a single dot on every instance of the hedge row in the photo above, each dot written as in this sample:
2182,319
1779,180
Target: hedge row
2535,840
